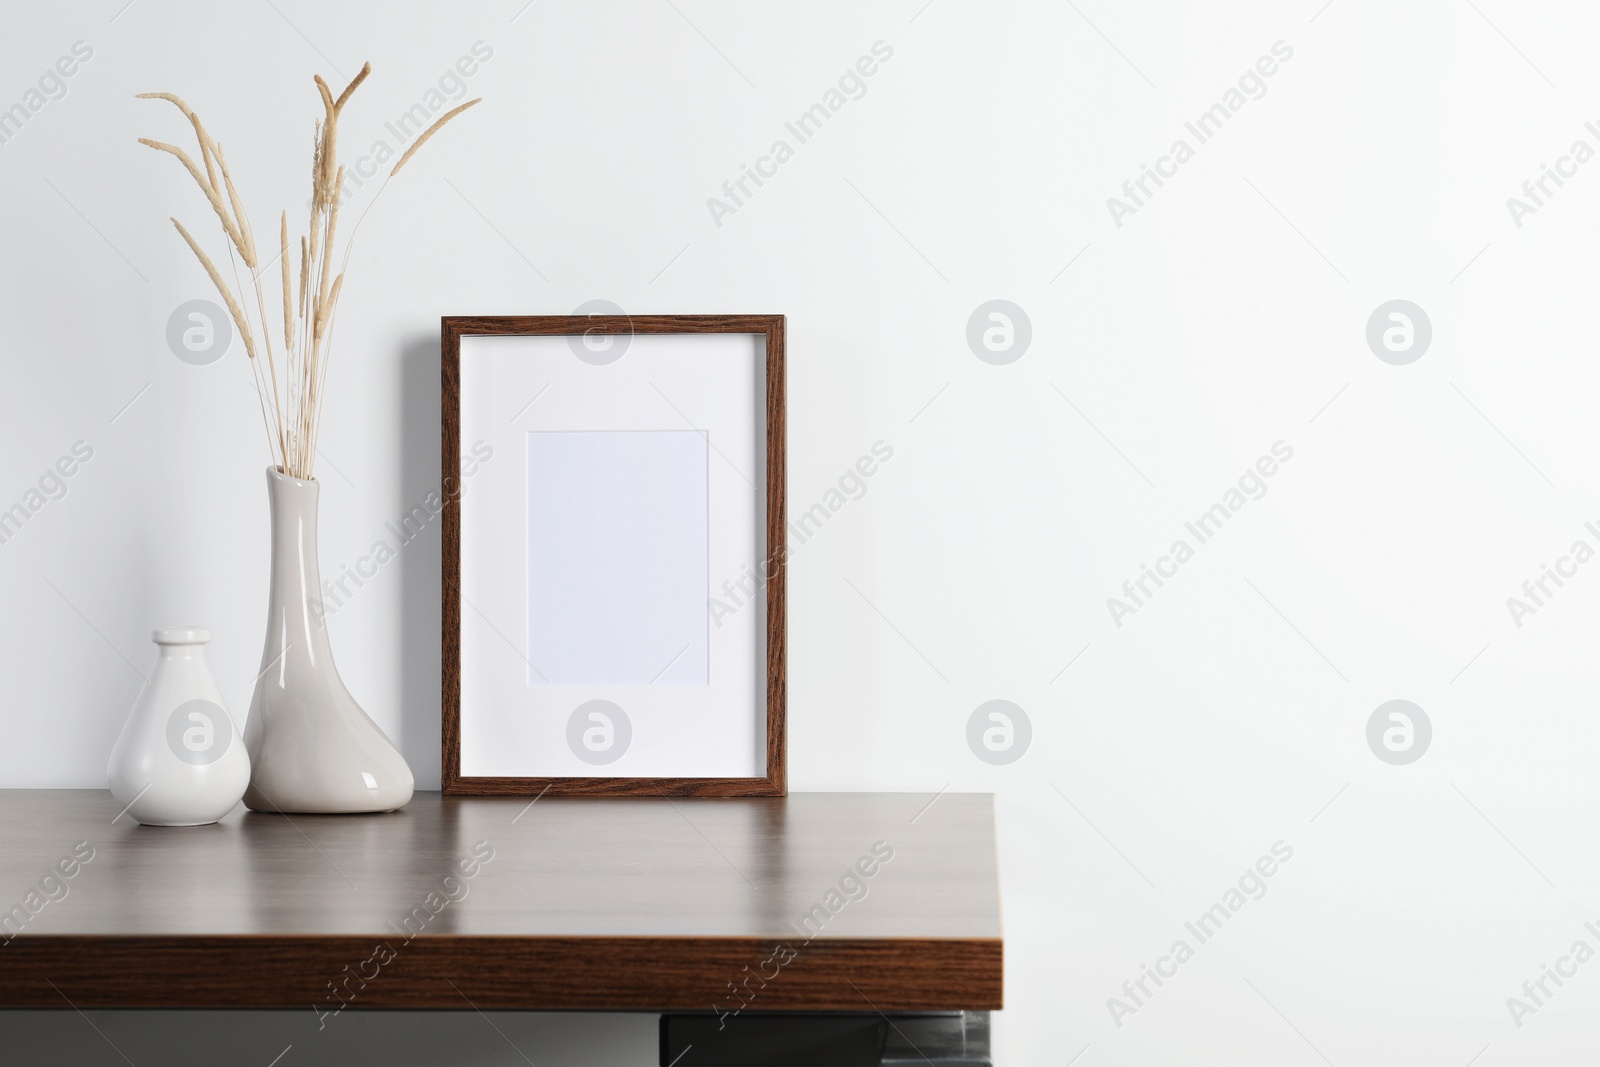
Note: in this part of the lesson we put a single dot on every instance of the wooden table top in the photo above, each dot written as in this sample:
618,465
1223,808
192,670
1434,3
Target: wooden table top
816,901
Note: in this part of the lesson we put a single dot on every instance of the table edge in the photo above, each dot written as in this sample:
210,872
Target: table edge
523,973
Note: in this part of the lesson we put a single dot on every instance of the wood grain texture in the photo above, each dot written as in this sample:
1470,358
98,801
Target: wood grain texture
450,555
521,974
775,781
616,904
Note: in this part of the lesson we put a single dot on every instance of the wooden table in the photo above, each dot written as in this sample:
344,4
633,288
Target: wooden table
819,902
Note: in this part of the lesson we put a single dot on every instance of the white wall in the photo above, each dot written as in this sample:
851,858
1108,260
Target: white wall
1227,314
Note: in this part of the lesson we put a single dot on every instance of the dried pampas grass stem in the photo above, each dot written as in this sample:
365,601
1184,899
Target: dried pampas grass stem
239,319
429,132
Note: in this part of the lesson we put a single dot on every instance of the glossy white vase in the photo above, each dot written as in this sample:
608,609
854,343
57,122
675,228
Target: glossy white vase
179,760
312,748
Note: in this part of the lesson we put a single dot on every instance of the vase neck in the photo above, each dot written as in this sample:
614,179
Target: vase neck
181,654
295,606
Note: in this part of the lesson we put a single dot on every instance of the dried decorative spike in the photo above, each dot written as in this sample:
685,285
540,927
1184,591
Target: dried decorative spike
330,141
431,130
283,257
227,296
246,242
194,120
206,187
327,240
338,105
325,314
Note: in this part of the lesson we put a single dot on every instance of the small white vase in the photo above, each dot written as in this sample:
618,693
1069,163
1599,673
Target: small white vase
179,760
312,748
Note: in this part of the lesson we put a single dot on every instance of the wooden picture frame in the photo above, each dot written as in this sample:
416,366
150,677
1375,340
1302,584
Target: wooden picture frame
773,782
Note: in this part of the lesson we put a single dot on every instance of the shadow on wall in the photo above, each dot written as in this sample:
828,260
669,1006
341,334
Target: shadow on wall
419,562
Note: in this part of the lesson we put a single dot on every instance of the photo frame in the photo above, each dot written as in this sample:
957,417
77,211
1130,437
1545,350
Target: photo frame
613,555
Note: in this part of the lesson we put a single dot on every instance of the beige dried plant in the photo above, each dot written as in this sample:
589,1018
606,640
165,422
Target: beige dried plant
291,392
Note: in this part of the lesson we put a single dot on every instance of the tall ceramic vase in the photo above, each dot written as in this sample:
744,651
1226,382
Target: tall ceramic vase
312,748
